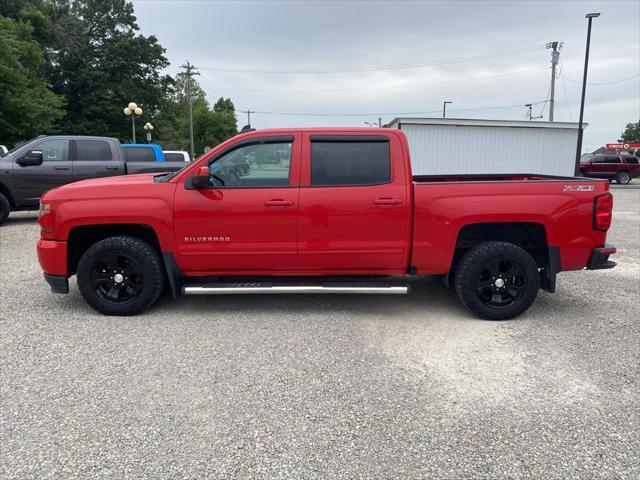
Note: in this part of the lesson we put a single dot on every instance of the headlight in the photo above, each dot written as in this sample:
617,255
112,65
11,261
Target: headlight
44,209
45,218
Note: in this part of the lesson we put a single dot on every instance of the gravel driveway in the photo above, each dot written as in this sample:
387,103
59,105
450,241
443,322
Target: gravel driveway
322,386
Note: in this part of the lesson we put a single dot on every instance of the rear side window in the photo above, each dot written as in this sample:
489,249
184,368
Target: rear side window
343,163
93,150
631,159
140,154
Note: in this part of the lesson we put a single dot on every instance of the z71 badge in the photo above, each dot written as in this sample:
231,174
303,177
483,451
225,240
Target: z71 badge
578,188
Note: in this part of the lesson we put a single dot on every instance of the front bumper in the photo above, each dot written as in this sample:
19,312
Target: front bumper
52,256
600,258
57,283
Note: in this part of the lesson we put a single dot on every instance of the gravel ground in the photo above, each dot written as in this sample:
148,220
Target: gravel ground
322,386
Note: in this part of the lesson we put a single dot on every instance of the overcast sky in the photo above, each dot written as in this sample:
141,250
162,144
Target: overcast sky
391,58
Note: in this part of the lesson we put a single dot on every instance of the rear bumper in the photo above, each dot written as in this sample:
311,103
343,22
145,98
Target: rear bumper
600,258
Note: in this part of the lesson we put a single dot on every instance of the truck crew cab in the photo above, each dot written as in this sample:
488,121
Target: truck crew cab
320,210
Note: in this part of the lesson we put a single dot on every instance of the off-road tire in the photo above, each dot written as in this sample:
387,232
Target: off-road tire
152,275
469,270
623,178
5,208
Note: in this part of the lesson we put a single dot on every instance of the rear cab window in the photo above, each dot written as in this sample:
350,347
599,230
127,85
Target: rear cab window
139,154
349,160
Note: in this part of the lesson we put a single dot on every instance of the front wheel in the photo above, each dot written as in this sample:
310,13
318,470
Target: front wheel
623,178
497,280
5,208
121,276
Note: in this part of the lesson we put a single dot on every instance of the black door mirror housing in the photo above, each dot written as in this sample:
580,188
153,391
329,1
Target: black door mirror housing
201,181
31,158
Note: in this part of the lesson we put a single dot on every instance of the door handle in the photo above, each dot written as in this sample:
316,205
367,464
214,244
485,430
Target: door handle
112,168
278,202
60,167
387,201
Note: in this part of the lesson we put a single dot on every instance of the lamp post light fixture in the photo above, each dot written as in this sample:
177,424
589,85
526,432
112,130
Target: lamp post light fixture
590,16
444,108
133,110
148,128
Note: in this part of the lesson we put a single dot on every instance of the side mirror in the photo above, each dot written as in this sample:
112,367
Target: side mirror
201,179
31,158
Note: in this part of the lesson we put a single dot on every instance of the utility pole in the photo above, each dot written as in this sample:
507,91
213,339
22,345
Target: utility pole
379,122
190,71
444,108
248,112
555,56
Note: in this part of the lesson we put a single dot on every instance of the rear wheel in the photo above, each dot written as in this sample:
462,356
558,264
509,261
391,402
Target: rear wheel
623,178
121,276
497,280
5,208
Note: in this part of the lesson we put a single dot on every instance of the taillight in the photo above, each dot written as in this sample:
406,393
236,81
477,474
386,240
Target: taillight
602,208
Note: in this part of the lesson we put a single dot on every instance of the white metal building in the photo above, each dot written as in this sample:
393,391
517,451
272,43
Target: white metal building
463,146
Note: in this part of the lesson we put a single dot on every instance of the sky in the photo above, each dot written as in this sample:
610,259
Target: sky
334,63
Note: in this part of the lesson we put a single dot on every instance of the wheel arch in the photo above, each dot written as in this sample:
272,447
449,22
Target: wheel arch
530,236
80,238
4,190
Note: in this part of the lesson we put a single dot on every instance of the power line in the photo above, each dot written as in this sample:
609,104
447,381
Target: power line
376,114
388,87
603,83
370,68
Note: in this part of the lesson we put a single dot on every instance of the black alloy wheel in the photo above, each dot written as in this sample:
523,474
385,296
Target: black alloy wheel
121,275
497,280
116,277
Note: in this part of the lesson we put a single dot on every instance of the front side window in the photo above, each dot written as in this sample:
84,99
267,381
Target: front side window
139,154
54,150
255,165
611,159
93,150
343,163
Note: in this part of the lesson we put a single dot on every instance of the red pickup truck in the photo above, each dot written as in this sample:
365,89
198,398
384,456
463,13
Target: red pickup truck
331,210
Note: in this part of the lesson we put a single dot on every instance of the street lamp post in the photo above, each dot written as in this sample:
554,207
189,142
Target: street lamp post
148,128
133,110
444,108
590,16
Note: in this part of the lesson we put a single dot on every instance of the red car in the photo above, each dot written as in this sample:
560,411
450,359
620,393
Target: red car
339,213
621,168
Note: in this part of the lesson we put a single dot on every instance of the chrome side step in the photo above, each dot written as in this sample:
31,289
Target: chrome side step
271,289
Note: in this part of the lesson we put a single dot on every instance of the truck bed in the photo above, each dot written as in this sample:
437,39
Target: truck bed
561,206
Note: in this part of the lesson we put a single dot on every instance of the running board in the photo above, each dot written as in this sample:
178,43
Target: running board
230,289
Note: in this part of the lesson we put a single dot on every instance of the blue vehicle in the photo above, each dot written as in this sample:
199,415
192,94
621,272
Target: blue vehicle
142,152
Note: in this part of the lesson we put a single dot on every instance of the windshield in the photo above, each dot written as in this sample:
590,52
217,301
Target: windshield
18,146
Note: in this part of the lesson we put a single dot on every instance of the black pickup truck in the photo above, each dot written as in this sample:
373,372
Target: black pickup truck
29,170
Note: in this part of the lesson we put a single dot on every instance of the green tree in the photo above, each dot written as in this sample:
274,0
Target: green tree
27,107
631,133
99,63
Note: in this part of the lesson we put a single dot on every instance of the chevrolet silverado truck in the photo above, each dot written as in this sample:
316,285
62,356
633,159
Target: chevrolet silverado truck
320,211
46,162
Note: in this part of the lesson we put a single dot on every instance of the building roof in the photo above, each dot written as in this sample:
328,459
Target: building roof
474,122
